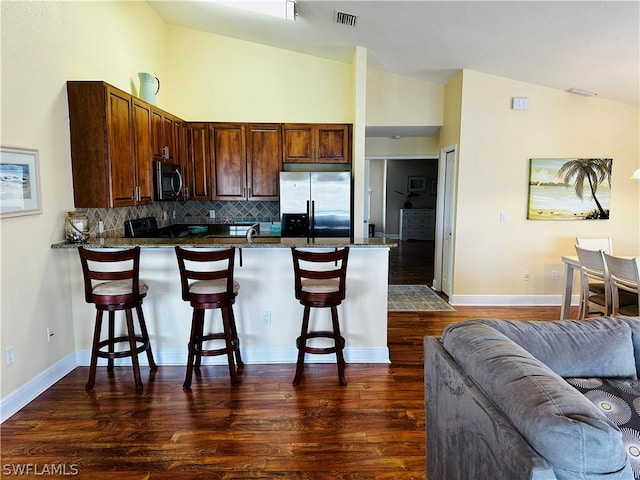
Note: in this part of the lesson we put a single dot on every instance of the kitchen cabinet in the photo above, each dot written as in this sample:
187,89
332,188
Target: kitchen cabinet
317,143
245,161
199,161
164,144
264,161
109,134
141,113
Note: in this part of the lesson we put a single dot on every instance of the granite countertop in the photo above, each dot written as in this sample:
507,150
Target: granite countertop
241,242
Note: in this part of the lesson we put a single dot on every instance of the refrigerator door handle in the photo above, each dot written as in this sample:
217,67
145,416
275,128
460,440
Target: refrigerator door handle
312,219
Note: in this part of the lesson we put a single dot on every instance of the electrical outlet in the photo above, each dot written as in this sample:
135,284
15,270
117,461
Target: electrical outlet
266,318
525,276
9,355
49,334
554,275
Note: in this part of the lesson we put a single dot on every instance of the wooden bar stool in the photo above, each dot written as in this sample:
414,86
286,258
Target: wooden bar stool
207,283
322,287
112,283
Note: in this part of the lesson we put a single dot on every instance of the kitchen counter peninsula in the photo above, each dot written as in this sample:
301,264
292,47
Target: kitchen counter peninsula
267,314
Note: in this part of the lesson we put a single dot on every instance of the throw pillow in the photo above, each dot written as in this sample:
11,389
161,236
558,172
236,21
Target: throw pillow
619,401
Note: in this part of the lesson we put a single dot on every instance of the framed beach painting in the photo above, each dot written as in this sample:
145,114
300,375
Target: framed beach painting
569,188
19,182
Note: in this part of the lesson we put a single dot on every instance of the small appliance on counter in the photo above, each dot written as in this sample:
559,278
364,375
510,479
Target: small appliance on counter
167,181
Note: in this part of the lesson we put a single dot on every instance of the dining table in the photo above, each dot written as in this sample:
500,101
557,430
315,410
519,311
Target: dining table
571,264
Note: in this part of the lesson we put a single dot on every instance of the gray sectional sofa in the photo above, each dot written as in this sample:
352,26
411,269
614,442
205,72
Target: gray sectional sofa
499,407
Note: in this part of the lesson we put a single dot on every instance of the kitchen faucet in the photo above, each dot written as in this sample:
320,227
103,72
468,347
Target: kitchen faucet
251,231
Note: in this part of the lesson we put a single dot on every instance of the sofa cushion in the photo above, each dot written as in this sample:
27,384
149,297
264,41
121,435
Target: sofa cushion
619,401
634,323
558,421
596,347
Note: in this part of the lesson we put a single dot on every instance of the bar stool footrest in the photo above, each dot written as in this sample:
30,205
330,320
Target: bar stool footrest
320,350
145,345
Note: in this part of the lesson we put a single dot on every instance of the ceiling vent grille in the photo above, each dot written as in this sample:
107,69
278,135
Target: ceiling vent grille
345,18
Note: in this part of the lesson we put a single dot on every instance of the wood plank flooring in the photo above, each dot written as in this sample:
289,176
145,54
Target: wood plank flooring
372,429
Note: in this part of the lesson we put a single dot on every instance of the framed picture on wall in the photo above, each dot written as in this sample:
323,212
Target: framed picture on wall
416,184
569,188
19,182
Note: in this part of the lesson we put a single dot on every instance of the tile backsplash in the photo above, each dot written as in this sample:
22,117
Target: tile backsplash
181,212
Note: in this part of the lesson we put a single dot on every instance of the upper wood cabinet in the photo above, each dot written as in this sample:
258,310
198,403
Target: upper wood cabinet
109,139
264,161
317,143
245,160
199,162
164,144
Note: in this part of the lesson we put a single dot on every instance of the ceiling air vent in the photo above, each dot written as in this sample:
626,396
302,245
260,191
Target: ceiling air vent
346,18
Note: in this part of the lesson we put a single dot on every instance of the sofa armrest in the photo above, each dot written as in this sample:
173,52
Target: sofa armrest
558,421
467,436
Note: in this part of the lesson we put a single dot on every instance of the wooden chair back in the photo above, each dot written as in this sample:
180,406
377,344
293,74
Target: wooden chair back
624,275
207,266
320,277
103,266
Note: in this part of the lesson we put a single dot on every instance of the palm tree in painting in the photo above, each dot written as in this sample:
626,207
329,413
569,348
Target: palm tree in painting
594,171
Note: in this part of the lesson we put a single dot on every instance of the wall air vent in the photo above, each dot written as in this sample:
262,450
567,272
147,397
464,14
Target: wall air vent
346,18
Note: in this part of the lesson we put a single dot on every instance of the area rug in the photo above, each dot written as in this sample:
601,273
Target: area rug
415,298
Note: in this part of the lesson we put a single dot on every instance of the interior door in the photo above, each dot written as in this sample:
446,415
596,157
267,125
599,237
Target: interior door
449,196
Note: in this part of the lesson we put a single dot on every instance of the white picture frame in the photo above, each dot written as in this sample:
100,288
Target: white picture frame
19,182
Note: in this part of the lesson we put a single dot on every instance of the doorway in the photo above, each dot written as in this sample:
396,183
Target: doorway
392,181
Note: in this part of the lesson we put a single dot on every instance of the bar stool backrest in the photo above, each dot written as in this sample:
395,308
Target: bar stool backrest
326,283
122,267
206,266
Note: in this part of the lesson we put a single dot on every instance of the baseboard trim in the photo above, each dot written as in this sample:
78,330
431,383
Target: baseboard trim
510,300
21,396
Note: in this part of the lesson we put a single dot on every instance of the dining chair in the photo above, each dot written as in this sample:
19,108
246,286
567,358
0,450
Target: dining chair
624,275
603,244
595,295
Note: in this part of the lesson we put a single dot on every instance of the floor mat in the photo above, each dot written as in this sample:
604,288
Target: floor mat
415,298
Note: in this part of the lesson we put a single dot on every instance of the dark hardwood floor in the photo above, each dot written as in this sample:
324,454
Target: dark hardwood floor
411,263
372,429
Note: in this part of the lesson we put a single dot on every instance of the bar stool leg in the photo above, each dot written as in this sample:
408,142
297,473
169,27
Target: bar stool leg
145,338
339,346
133,346
192,350
236,340
94,351
302,344
112,335
229,341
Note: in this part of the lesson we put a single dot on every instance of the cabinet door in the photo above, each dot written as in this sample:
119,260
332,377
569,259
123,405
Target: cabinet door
264,161
120,133
199,161
142,151
228,161
334,145
299,142
169,140
157,125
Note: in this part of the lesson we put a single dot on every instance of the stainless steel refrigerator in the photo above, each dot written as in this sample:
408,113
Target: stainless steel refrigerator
315,204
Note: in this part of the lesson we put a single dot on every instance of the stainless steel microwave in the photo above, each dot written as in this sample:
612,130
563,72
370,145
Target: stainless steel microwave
167,181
